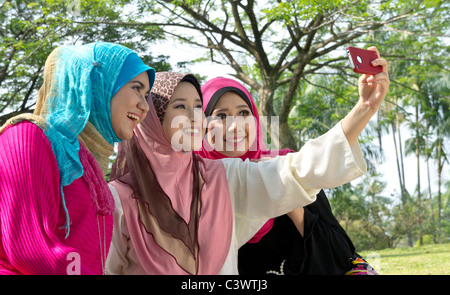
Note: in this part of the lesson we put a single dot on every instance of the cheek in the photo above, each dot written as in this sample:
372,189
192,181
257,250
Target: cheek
115,114
122,102
199,116
203,132
250,130
167,129
211,127
211,139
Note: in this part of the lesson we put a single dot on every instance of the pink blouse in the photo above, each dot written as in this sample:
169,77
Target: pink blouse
31,214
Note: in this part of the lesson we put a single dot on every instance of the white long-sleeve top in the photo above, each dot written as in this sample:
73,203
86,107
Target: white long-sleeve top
260,191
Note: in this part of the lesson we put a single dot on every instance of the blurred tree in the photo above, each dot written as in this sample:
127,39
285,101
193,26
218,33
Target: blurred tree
272,44
291,54
30,30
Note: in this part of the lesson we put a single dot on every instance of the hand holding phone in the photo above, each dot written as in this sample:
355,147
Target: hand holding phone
360,61
372,89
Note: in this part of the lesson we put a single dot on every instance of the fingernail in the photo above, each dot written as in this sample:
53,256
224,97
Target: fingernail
373,62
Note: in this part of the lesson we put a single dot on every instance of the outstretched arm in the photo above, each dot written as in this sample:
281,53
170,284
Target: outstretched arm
372,90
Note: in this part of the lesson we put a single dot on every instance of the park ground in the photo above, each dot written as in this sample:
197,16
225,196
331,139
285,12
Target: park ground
431,259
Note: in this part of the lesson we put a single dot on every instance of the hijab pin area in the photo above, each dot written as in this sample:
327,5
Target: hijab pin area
96,64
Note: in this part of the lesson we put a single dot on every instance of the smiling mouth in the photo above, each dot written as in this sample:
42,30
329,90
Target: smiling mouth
191,131
235,141
133,117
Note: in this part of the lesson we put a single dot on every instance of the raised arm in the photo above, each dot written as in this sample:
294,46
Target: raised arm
372,90
268,189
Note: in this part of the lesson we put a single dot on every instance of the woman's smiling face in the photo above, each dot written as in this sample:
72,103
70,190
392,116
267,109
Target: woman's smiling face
183,119
235,126
129,106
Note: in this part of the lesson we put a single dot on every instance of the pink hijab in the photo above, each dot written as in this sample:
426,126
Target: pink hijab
212,92
177,206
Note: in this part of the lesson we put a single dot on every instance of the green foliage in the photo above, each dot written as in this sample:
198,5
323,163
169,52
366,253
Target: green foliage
411,35
265,44
30,30
305,9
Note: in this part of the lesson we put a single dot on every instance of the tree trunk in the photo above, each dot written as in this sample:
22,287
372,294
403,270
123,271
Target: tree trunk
419,204
399,169
433,225
401,172
401,158
439,187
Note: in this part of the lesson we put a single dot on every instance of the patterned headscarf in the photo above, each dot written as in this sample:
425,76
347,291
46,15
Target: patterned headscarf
179,213
162,92
78,87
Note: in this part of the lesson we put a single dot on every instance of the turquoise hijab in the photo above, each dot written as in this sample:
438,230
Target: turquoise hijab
84,79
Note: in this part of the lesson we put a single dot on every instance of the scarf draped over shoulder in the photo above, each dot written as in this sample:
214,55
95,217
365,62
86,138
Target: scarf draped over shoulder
73,106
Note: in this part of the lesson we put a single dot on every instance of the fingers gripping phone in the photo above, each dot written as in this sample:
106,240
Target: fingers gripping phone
360,61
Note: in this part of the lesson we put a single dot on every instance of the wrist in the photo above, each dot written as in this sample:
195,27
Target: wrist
356,120
364,110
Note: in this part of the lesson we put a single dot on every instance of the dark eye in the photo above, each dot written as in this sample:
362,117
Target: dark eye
179,106
221,116
244,113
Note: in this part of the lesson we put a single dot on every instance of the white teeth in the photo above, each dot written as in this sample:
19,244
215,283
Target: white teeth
190,130
131,116
235,140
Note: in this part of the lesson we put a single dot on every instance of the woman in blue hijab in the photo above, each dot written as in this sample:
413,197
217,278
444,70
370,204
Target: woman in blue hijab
55,206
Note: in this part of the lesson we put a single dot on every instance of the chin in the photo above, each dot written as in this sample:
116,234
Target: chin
126,136
232,154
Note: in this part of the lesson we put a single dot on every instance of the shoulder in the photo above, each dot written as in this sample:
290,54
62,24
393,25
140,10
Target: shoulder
117,202
27,164
26,152
206,164
21,134
122,194
25,140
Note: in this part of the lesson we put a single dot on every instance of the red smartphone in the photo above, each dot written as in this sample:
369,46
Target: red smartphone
360,61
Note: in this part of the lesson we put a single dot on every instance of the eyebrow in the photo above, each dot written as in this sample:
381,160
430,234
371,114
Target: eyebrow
136,81
182,99
242,106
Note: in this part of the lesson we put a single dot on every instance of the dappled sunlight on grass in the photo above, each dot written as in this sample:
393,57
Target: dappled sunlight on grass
421,260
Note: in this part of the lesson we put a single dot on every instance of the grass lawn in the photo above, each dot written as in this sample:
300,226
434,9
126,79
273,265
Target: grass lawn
422,260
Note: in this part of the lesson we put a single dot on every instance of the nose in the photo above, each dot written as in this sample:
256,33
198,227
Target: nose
194,114
232,125
190,114
143,104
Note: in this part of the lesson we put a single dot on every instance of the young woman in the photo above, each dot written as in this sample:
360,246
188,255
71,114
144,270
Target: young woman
55,206
177,213
305,241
